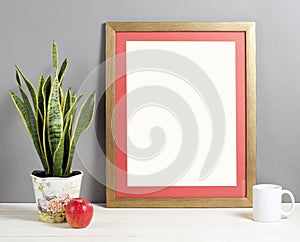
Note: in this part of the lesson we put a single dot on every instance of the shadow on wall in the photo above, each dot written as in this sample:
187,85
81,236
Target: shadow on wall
94,185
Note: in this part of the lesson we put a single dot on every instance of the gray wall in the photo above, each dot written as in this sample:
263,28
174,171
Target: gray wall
28,27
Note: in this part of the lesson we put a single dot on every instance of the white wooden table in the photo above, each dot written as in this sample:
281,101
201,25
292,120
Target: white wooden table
18,222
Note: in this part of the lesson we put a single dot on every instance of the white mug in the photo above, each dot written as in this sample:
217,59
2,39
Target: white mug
267,199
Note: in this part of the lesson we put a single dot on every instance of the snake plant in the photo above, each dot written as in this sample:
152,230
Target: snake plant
49,117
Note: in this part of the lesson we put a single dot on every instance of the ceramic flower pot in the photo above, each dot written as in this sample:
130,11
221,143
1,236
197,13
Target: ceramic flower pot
53,193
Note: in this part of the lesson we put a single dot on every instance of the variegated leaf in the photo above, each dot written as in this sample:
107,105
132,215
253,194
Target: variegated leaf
62,71
29,121
83,121
30,87
54,118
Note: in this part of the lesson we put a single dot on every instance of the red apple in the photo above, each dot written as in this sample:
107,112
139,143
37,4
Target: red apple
79,212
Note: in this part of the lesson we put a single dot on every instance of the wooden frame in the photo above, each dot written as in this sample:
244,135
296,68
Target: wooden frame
250,113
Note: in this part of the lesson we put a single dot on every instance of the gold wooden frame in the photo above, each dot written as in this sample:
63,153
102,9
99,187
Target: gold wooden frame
249,29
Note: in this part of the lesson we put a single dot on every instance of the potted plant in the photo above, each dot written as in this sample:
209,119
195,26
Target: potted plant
49,118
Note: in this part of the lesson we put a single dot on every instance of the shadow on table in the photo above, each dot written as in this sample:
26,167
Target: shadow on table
245,215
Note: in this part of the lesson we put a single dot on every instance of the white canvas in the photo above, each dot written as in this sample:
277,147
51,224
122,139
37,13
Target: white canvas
217,59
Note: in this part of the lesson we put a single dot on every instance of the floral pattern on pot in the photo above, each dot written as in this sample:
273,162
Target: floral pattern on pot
53,194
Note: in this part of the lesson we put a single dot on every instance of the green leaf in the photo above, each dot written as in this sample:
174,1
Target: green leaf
83,121
46,92
73,97
21,109
40,99
58,157
55,58
40,134
28,118
67,137
54,118
72,109
40,120
61,154
68,123
62,71
18,79
30,87
67,103
61,97
33,128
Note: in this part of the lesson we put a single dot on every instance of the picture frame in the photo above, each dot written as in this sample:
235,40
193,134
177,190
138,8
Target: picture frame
150,58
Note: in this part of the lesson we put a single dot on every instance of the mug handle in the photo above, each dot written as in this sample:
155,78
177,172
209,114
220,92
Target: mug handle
292,200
